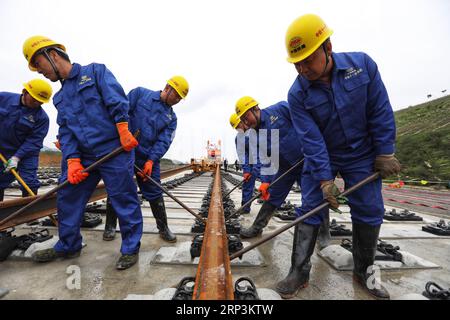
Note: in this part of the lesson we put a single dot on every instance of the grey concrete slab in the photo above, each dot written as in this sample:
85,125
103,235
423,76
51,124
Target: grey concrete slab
410,296
152,229
180,254
341,259
27,254
406,231
3,292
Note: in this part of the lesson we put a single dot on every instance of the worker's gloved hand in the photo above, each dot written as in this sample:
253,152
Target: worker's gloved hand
57,144
74,171
330,192
247,176
147,170
387,165
264,189
127,140
12,163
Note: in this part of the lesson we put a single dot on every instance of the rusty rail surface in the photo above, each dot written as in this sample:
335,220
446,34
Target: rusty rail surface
48,206
213,280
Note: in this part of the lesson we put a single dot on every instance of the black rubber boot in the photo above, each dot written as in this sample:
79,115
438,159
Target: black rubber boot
303,247
159,212
2,194
51,254
126,261
365,238
111,222
324,237
26,194
261,220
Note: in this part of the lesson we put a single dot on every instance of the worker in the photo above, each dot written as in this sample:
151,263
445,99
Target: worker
236,165
249,159
342,114
93,121
24,125
152,113
276,120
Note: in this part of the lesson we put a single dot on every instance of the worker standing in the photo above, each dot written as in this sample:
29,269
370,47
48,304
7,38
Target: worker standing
236,165
93,121
249,159
342,114
24,125
152,113
276,120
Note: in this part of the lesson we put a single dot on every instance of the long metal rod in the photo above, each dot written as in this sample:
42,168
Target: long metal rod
214,280
62,185
166,191
271,184
234,188
302,218
27,188
48,206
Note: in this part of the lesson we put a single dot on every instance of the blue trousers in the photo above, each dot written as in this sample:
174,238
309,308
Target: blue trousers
248,188
366,203
280,190
117,174
27,169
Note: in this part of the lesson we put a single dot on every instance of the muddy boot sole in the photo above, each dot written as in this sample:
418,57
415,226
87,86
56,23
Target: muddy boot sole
168,240
109,236
245,234
291,295
361,282
126,261
49,255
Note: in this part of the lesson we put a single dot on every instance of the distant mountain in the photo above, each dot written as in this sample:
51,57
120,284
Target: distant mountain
423,140
47,149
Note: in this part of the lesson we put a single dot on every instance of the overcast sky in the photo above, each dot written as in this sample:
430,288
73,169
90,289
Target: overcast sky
226,49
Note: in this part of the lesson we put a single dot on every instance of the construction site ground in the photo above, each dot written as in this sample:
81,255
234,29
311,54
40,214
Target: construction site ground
25,279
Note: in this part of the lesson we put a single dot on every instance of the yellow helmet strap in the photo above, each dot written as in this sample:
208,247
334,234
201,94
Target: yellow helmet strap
327,59
44,51
168,90
258,119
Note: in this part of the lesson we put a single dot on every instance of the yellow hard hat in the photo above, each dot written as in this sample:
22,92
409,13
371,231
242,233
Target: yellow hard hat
180,85
245,103
36,43
304,36
234,120
39,90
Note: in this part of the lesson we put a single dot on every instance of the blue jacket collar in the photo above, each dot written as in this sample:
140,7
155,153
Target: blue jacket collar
263,119
75,71
18,101
156,95
339,63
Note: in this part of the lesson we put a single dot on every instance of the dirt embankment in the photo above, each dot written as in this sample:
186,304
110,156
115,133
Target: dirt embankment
50,159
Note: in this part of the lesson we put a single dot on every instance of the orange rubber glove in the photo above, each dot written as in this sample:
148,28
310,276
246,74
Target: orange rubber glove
263,188
74,172
247,176
127,140
57,144
148,167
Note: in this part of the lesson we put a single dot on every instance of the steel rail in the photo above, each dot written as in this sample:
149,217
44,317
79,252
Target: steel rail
213,280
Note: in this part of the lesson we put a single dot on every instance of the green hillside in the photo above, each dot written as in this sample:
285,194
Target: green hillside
423,140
